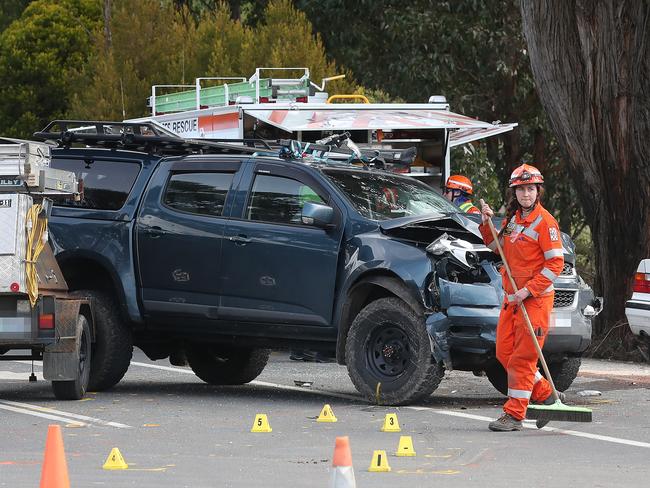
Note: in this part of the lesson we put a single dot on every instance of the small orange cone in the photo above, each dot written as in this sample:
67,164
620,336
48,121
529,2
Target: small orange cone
342,471
55,469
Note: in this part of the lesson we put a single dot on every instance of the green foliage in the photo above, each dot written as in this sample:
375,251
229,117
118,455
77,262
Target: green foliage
152,43
41,56
10,10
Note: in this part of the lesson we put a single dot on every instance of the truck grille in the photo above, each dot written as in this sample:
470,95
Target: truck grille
567,270
563,298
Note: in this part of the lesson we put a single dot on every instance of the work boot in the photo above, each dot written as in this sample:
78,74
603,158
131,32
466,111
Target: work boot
549,401
505,423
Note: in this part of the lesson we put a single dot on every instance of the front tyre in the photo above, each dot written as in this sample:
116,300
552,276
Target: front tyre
76,389
388,354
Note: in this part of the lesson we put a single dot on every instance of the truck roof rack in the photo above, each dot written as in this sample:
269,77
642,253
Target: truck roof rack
137,136
152,138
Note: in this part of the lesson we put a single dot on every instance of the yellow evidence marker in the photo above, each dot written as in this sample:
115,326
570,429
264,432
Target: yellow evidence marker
379,463
326,415
390,423
115,460
261,423
405,447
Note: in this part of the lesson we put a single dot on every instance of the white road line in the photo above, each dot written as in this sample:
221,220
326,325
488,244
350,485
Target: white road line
258,383
451,413
69,415
163,368
43,415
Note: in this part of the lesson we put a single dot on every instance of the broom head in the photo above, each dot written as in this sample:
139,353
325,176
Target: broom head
559,412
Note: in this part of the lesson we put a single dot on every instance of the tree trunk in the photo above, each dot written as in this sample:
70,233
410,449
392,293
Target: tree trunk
591,63
108,37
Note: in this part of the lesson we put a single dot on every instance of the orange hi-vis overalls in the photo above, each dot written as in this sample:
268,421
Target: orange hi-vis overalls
533,249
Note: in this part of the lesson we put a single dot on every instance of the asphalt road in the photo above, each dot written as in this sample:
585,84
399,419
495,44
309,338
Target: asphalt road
175,431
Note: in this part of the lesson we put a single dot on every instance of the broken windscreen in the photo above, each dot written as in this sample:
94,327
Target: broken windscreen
382,196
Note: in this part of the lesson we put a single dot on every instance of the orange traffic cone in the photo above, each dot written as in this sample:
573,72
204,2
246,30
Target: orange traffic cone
55,469
342,472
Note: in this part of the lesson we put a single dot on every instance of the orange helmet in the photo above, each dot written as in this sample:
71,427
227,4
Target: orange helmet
525,175
459,182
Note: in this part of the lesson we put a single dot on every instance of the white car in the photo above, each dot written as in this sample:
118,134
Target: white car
637,309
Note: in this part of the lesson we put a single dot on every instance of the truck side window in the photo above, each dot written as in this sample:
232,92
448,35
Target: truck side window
279,199
106,184
198,193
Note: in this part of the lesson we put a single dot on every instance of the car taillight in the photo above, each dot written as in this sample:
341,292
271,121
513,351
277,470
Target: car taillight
641,283
46,321
301,99
264,99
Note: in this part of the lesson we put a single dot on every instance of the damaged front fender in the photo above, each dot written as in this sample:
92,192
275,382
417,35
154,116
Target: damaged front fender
467,318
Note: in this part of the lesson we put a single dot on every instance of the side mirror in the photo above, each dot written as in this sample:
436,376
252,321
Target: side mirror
317,215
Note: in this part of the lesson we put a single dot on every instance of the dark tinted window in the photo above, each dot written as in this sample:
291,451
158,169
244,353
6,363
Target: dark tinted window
106,184
279,199
199,193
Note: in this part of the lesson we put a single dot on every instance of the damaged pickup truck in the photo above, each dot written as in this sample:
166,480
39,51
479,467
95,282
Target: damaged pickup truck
214,259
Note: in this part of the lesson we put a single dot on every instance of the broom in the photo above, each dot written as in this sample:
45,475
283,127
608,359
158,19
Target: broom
557,411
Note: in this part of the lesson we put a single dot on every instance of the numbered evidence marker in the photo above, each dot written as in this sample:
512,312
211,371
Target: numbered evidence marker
390,423
261,423
405,447
115,460
379,463
326,415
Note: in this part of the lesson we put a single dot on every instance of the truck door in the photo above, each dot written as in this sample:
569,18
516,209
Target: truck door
274,268
179,235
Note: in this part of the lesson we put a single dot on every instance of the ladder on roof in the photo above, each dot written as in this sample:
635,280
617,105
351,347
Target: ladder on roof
237,90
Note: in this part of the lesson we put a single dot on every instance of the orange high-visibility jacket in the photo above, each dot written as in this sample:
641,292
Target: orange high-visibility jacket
533,249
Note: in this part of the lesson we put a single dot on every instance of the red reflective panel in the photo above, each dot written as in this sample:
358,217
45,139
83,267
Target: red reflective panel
46,321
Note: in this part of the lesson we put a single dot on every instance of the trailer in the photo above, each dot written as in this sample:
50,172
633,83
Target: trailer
39,319
239,109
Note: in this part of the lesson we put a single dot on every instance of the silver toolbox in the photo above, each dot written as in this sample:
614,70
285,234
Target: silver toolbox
13,240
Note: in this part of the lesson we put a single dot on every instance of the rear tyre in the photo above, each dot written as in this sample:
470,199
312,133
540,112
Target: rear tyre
388,354
76,389
498,377
563,373
222,365
113,346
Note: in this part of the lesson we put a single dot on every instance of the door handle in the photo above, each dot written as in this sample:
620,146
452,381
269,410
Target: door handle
240,240
153,232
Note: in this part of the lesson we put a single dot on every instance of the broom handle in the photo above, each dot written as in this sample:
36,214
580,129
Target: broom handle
523,309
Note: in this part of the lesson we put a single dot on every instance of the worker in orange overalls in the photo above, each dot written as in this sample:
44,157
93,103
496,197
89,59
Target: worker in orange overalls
458,190
531,242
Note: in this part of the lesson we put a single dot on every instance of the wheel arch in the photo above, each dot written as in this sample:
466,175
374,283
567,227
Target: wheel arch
366,289
91,272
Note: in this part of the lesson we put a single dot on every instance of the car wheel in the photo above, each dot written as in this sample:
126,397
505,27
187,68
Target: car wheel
563,373
76,389
498,377
113,346
222,365
388,354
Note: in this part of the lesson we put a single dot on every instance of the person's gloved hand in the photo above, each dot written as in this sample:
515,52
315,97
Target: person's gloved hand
486,211
521,295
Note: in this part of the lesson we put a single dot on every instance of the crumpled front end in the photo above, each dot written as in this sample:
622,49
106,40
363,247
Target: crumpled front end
466,319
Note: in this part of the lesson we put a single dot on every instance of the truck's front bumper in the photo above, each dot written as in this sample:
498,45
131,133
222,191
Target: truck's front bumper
466,326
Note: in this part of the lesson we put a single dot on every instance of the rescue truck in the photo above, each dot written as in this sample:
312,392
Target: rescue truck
241,109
